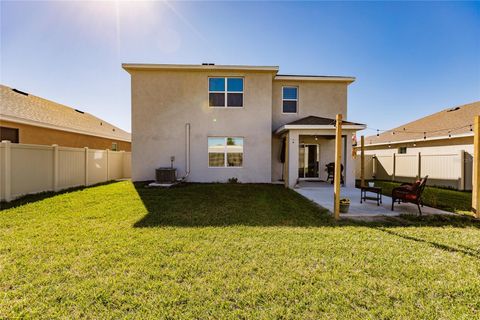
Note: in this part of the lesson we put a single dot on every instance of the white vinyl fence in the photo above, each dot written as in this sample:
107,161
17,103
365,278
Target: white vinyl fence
453,170
28,168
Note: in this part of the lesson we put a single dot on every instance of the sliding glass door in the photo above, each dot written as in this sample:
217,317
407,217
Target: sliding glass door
308,161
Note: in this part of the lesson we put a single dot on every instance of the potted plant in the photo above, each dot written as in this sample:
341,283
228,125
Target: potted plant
344,205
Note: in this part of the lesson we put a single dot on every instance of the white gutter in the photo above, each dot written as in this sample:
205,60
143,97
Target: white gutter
55,127
462,135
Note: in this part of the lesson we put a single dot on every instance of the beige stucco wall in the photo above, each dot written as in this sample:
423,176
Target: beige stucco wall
164,101
315,98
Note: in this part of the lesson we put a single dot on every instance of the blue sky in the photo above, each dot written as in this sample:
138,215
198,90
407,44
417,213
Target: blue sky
410,58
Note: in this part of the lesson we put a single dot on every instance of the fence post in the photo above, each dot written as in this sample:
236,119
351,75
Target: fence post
7,170
86,166
55,167
393,166
461,181
419,163
108,165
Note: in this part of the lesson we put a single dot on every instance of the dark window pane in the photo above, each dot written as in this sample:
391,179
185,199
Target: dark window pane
217,99
10,134
289,93
216,159
235,84
216,84
235,99
290,106
234,159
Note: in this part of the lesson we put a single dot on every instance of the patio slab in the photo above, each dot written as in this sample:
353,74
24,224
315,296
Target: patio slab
322,194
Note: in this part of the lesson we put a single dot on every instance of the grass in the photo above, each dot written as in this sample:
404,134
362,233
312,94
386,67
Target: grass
228,251
445,199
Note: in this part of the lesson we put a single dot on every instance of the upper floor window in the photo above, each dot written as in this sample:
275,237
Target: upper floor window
225,92
289,99
402,150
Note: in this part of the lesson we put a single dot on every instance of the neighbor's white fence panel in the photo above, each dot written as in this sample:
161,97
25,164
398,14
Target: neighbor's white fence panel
384,167
97,166
31,168
368,166
26,169
406,165
452,170
441,166
127,164
71,167
115,165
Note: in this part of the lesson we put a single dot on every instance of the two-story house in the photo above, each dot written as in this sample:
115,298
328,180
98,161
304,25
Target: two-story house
216,122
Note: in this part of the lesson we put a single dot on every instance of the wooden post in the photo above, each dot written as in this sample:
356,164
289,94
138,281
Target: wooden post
55,167
362,161
7,170
476,168
338,159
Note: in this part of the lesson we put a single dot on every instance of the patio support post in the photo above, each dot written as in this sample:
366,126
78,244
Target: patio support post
338,158
362,161
476,168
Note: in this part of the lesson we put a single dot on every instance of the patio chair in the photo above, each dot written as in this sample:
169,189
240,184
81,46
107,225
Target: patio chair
410,192
330,167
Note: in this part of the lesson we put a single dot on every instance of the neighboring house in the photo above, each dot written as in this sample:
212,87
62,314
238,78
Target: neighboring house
432,133
218,122
442,134
25,118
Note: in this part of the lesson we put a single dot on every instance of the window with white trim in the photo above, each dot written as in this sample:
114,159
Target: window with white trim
225,152
289,99
114,146
225,92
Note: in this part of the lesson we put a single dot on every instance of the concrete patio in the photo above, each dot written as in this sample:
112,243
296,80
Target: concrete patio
322,194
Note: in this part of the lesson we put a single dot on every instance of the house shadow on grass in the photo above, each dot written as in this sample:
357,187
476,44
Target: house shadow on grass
31,198
204,205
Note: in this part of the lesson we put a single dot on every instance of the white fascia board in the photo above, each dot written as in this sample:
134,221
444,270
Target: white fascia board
318,127
60,128
315,78
140,66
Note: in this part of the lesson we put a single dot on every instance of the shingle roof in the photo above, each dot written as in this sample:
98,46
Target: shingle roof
313,120
453,121
16,105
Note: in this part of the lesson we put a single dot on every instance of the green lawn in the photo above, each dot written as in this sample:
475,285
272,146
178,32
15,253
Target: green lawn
446,199
228,251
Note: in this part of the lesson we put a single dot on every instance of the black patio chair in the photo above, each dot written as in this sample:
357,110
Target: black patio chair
330,167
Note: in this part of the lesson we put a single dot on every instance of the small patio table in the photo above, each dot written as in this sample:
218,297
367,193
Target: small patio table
375,190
